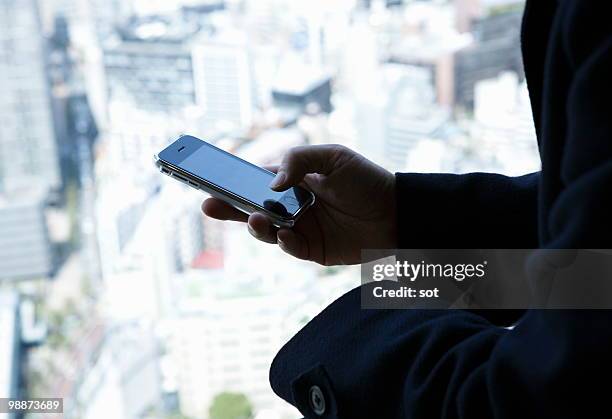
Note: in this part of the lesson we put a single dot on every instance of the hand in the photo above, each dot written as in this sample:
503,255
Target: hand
354,208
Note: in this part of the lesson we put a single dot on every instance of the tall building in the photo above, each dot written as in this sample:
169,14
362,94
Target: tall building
107,14
497,48
28,153
158,66
226,345
26,251
150,67
75,127
503,126
230,322
466,11
77,12
430,41
435,55
224,85
122,381
412,116
390,124
146,240
469,11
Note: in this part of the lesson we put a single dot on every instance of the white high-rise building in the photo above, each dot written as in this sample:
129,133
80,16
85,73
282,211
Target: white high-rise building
122,380
150,72
28,151
398,113
223,80
503,126
159,67
231,321
412,115
227,345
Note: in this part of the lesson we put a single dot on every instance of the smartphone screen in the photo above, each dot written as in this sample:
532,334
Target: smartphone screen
234,175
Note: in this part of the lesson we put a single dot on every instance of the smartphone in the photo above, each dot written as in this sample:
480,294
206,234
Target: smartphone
235,181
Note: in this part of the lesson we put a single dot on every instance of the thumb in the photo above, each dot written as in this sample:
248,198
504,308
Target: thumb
303,160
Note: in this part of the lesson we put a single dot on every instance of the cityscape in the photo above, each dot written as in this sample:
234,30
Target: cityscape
116,293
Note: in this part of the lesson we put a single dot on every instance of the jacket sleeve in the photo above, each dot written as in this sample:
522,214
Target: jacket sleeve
477,210
392,364
471,211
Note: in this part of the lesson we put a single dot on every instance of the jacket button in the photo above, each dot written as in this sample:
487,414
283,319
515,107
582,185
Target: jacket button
317,400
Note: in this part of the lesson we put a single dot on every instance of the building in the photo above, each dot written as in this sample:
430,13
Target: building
168,64
466,11
28,152
469,11
496,49
230,321
201,9
224,82
430,42
226,333
413,115
503,126
105,15
26,251
77,12
146,240
119,220
10,348
75,127
122,380
226,344
77,132
402,112
304,93
150,67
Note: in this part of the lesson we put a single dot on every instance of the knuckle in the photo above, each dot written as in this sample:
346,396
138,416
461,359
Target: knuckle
297,152
294,157
339,150
289,157
339,154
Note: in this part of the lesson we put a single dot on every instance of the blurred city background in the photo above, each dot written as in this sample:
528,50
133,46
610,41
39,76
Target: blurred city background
115,293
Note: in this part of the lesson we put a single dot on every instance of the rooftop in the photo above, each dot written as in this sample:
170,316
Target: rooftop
156,29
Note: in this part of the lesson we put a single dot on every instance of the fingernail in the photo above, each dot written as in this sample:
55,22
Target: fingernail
278,180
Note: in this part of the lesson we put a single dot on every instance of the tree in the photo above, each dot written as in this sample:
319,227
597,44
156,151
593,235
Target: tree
230,406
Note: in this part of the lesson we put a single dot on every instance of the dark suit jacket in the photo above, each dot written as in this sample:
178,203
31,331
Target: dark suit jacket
457,364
